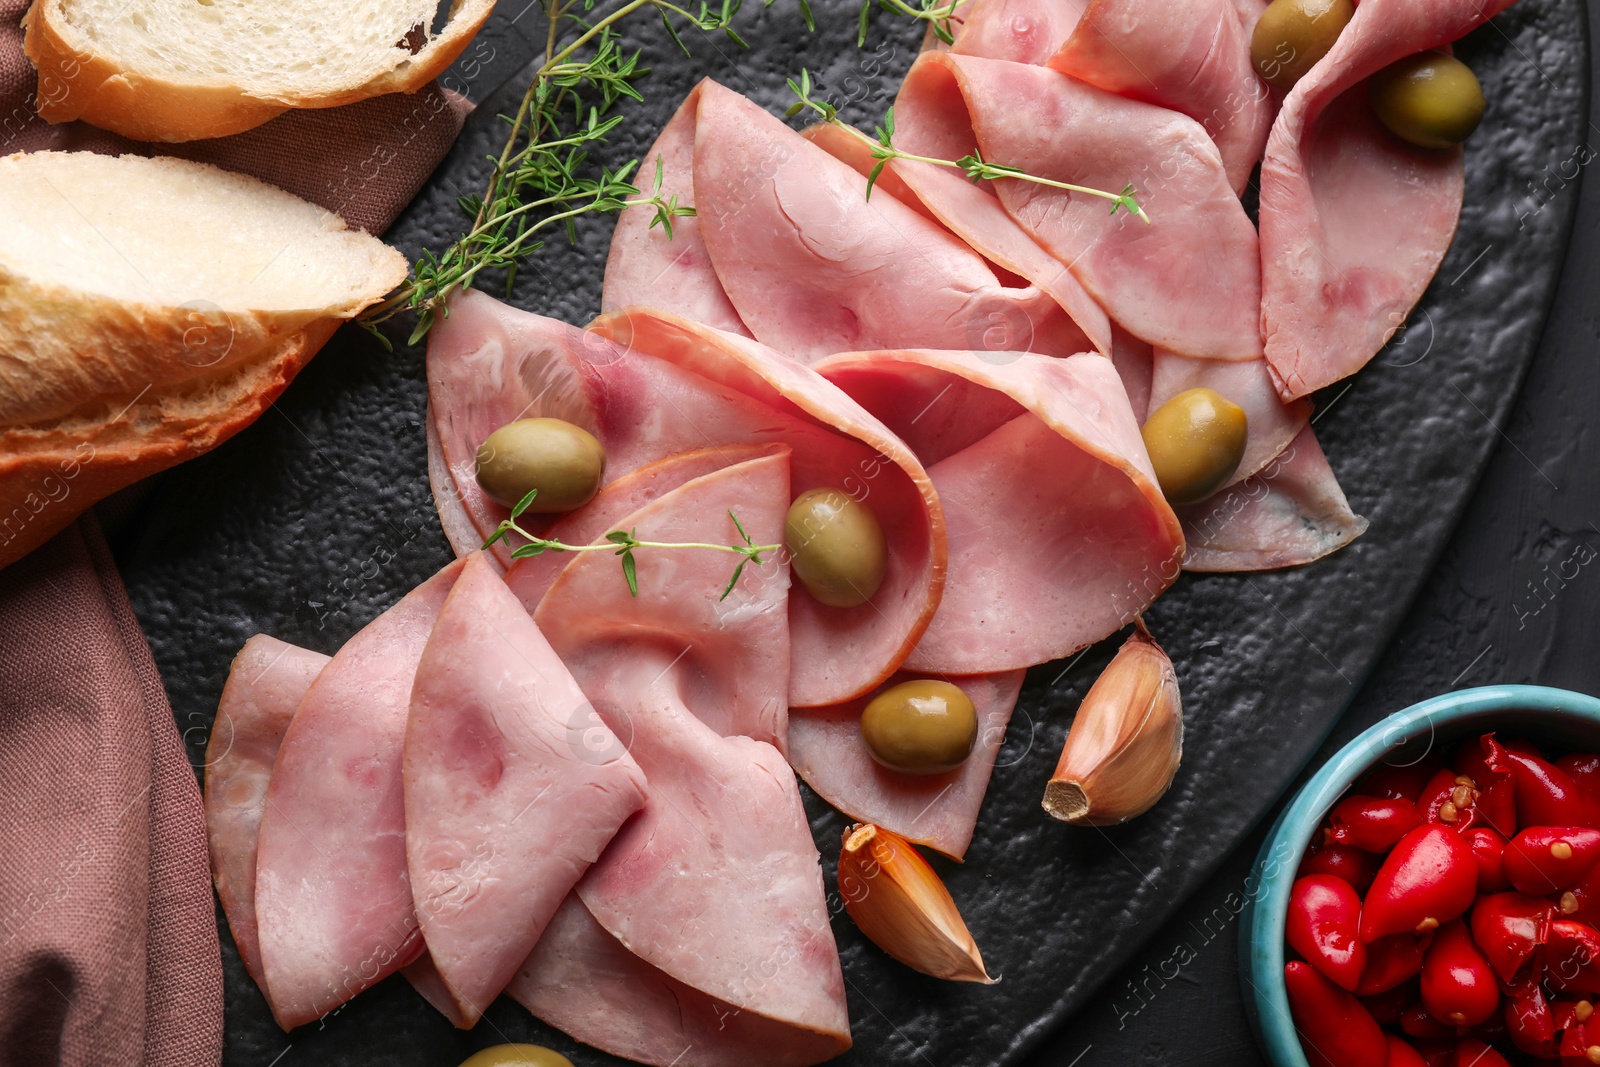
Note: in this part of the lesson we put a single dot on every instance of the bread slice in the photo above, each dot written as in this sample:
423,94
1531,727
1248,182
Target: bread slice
159,70
149,310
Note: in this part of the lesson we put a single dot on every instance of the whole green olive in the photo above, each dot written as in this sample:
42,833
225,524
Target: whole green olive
516,1056
1195,441
1430,99
921,727
564,462
836,547
1292,35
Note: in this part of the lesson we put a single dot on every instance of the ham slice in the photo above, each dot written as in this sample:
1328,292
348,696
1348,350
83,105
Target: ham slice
333,901
513,786
646,266
1192,56
1354,221
1058,532
1272,423
265,683
716,883
1292,512
1018,31
1188,282
813,267
582,981
670,386
937,810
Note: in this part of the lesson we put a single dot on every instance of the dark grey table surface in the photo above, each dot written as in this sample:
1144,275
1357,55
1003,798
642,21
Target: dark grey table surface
1487,614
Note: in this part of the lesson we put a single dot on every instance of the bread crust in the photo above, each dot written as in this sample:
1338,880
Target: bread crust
77,82
51,474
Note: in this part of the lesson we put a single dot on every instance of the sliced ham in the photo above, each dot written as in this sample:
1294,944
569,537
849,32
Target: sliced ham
974,214
1292,512
646,266
1019,31
513,786
333,900
486,369
663,386
814,267
265,683
717,882
1058,532
1189,281
938,810
1192,56
1354,221
582,981
1272,423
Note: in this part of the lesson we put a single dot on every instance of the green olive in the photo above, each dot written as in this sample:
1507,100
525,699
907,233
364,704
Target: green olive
1292,35
921,727
1430,99
1195,441
516,1056
836,547
564,462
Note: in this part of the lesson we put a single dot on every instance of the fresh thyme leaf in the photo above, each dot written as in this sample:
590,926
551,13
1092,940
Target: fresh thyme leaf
872,178
630,571
523,504
533,548
733,581
618,537
737,525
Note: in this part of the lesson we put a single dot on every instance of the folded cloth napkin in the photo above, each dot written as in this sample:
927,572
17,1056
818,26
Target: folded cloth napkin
108,937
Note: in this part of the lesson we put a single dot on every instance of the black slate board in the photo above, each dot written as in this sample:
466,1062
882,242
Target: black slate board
313,521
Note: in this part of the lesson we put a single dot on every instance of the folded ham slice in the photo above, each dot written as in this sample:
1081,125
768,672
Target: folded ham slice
333,900
582,981
813,267
1190,281
513,785
937,810
717,882
646,266
1192,56
1290,513
1058,532
1248,383
659,386
1354,221
265,684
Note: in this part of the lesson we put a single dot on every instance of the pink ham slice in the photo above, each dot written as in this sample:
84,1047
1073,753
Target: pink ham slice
1272,423
513,786
813,267
1192,56
1019,31
716,883
670,386
1292,512
1037,452
265,683
975,215
1354,221
646,266
939,810
333,901
582,981
1190,281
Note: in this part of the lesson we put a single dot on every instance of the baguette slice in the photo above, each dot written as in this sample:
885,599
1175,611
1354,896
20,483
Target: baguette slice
149,310
159,70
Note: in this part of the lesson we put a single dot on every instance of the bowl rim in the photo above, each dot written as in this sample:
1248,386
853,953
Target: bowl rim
1261,948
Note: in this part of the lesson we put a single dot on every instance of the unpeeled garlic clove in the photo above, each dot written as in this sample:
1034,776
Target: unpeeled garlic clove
898,901
1124,746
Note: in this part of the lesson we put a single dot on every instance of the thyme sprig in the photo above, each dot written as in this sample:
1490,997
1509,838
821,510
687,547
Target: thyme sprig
975,166
623,543
937,13
540,181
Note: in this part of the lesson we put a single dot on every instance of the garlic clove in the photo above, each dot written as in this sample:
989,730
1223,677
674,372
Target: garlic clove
1124,746
898,901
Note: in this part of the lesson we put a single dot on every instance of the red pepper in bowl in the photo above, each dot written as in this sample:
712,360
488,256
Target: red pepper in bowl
1402,1054
1449,799
1458,986
1572,957
1488,846
1584,769
1324,924
1548,859
1391,961
1546,794
1531,1025
1508,928
1335,1030
1351,864
1429,879
1372,824
1483,761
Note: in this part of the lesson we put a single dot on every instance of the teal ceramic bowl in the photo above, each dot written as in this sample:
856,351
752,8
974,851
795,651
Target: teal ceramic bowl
1556,716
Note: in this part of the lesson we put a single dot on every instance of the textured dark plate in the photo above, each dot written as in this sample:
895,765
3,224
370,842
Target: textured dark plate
310,523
